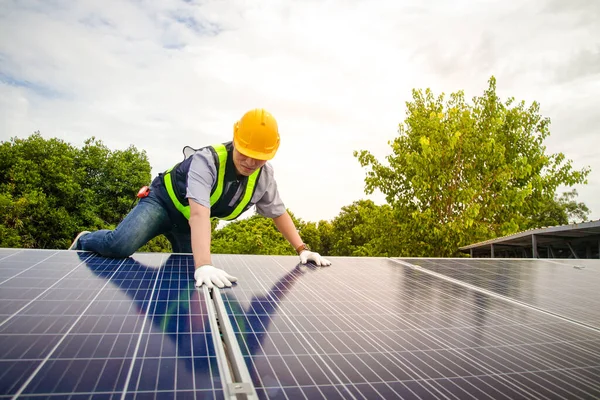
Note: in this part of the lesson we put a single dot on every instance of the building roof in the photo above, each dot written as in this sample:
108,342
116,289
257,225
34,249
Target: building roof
548,235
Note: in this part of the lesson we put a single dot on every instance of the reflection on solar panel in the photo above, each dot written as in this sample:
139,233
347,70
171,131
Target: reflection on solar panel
81,324
569,288
72,323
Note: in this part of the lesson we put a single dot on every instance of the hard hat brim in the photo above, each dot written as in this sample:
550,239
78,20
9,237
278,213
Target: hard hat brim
253,153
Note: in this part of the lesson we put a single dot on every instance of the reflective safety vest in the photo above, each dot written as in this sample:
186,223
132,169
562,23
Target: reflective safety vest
181,169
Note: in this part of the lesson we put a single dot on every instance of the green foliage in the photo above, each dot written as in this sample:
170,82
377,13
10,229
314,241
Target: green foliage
51,190
576,212
363,229
254,235
561,211
259,235
325,232
111,179
12,214
159,244
311,235
460,173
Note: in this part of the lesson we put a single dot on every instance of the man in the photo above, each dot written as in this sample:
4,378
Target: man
220,181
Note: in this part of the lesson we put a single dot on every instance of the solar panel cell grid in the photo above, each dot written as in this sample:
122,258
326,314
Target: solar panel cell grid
76,325
321,332
102,326
565,287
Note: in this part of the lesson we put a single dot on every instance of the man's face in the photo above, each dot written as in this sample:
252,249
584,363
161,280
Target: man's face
246,165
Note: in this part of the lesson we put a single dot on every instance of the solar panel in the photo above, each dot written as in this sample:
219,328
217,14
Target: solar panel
565,287
371,328
77,325
74,323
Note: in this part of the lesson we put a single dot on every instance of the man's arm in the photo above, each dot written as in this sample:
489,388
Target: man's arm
286,226
204,272
200,230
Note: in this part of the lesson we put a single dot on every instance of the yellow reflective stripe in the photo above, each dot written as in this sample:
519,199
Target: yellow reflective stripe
185,210
247,196
222,153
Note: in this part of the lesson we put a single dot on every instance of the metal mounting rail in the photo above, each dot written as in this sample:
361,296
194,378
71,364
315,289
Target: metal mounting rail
235,377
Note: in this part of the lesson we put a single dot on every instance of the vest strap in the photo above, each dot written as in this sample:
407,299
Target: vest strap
222,154
185,210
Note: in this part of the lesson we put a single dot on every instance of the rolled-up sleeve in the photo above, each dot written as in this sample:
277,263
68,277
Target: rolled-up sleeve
201,177
270,204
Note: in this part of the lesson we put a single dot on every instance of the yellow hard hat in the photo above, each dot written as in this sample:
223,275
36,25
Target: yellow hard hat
256,135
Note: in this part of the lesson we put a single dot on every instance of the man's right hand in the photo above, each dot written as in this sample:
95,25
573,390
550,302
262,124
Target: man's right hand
207,275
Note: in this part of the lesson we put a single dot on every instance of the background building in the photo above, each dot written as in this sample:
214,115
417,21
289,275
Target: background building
566,241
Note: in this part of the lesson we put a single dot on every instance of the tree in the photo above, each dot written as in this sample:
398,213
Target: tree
159,244
562,210
50,190
363,229
576,212
311,233
111,179
254,235
325,232
259,235
460,173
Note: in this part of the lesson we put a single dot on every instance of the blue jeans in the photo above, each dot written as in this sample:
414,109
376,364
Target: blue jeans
148,219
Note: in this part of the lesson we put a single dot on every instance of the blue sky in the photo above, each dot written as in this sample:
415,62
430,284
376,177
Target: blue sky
336,74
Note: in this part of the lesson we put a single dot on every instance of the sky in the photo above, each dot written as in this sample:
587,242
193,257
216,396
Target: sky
161,75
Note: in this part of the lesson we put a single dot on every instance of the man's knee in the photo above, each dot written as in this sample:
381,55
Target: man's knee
117,247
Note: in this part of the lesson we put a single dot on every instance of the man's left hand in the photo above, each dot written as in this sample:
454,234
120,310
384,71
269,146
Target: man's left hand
308,255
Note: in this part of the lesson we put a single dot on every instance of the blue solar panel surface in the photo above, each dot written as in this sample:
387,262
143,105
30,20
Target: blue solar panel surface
371,328
76,325
569,288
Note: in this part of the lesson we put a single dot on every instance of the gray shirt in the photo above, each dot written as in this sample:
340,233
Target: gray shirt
203,175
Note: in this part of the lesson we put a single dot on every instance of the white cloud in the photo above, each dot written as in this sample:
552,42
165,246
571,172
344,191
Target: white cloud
336,74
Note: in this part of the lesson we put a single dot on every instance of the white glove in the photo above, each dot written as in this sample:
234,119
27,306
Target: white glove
207,274
308,255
